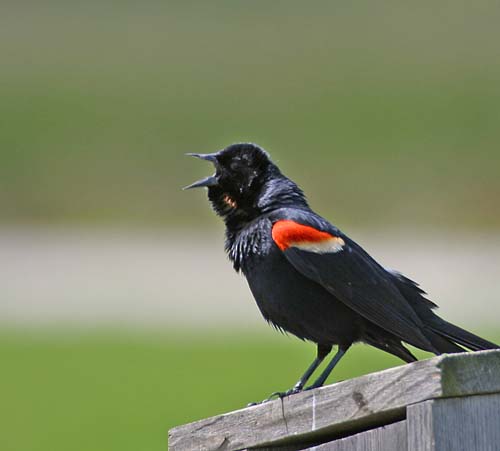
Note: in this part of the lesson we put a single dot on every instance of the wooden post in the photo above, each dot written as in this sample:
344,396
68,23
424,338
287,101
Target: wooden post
447,403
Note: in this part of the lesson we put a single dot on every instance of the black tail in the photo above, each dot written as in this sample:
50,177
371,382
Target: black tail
444,336
460,336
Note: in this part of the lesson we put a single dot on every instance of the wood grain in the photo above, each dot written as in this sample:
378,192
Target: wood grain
385,438
469,423
343,408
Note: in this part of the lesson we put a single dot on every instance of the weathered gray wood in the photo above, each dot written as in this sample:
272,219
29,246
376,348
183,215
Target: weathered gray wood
469,423
392,437
385,438
420,427
346,407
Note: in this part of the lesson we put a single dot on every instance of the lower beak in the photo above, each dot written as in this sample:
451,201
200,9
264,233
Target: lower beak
207,181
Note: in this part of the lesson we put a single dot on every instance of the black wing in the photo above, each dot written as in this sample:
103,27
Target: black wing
357,280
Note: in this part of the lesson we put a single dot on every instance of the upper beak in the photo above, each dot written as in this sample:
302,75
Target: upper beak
207,181
204,156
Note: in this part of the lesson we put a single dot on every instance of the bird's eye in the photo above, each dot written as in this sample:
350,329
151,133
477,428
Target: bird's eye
234,166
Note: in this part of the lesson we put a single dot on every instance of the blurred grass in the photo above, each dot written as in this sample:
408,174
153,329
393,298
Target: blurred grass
123,391
383,112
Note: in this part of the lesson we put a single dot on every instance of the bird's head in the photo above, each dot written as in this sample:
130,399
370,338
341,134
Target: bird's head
246,182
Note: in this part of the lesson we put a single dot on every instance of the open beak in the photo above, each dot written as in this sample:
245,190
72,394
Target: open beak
207,181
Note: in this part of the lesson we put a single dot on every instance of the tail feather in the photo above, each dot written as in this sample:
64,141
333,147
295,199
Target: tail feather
442,344
392,346
460,336
444,336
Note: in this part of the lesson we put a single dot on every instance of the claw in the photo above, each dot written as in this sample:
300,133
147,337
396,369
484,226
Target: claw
293,391
276,395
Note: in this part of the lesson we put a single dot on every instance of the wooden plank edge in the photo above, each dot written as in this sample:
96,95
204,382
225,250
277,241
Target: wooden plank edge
470,373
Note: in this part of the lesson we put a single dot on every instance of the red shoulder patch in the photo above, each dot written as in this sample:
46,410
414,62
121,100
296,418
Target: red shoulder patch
288,233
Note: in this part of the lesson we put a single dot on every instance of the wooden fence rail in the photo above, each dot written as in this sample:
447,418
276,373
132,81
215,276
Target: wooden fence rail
447,403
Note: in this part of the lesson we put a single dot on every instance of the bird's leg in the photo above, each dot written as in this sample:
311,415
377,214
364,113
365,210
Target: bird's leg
305,377
324,375
323,351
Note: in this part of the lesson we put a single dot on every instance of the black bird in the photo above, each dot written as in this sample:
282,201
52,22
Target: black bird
309,278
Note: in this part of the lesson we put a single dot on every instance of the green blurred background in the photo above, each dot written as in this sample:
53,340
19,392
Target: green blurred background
386,113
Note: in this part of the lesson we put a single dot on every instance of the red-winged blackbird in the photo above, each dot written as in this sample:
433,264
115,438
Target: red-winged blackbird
310,279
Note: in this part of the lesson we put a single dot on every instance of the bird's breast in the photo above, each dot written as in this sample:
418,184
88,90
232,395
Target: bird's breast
249,246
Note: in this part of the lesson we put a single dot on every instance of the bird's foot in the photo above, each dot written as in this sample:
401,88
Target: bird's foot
278,395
